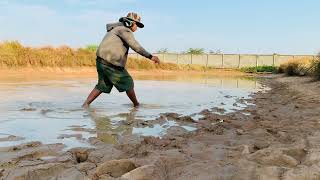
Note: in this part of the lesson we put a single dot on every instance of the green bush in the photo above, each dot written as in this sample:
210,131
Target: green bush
195,51
91,47
259,69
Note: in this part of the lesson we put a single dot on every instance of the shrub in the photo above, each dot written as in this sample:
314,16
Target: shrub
91,47
299,67
195,51
259,69
316,67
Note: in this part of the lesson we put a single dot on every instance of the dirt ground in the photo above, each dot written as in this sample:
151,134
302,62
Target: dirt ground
42,73
279,140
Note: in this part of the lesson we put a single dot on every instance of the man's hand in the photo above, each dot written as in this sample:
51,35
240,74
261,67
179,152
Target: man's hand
155,59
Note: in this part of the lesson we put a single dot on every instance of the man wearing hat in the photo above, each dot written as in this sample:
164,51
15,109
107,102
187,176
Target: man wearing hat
112,55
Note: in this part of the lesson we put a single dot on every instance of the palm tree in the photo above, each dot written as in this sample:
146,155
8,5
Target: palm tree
163,51
215,52
195,51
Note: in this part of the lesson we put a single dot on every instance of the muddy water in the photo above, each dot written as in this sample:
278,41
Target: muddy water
49,110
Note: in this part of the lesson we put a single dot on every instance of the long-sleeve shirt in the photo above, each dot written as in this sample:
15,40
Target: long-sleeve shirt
116,43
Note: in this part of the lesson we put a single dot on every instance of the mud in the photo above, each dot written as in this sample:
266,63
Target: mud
10,138
279,139
27,109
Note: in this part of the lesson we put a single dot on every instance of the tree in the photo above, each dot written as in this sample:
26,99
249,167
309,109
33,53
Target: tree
91,47
163,50
218,51
195,51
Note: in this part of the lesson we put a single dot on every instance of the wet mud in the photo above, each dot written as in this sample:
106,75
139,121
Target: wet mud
279,139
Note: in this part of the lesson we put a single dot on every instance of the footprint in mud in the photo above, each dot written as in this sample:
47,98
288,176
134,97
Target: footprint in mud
34,106
28,109
46,105
235,104
62,113
227,96
45,111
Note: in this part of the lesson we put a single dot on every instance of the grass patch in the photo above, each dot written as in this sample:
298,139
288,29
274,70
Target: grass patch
13,54
259,69
316,68
297,67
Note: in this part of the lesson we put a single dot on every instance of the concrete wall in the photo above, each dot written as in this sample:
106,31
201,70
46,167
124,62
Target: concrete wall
231,60
200,59
215,60
265,60
248,60
184,59
226,60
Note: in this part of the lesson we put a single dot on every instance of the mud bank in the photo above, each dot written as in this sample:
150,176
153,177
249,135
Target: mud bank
280,139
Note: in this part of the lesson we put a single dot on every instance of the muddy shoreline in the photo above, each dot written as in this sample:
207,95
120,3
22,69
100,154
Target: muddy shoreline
280,139
45,73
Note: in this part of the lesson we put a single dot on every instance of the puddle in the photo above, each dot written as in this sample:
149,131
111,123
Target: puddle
156,131
196,116
45,158
49,111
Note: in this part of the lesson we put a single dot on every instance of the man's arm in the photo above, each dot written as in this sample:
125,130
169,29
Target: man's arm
127,36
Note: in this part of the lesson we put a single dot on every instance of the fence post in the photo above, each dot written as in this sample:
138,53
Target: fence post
207,60
273,60
164,57
178,58
191,58
222,60
257,60
239,61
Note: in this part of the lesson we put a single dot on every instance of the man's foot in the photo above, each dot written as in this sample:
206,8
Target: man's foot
136,104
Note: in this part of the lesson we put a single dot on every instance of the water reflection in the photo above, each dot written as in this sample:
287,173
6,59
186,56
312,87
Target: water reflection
108,130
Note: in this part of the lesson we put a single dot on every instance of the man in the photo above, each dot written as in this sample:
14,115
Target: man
112,56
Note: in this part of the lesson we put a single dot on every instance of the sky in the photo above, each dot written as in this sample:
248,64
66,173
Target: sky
231,26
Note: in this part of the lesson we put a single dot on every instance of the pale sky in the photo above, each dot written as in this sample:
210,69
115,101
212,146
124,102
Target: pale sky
233,26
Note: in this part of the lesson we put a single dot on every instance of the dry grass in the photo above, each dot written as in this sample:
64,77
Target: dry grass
316,67
301,67
13,54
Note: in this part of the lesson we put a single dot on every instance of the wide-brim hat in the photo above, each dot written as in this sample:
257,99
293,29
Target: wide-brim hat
136,18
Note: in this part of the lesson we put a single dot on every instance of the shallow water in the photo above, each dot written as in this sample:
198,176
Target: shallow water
49,111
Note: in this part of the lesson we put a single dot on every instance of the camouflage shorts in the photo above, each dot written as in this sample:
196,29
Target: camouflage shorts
110,75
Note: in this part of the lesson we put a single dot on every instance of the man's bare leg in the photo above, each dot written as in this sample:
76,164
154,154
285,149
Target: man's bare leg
132,95
92,96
